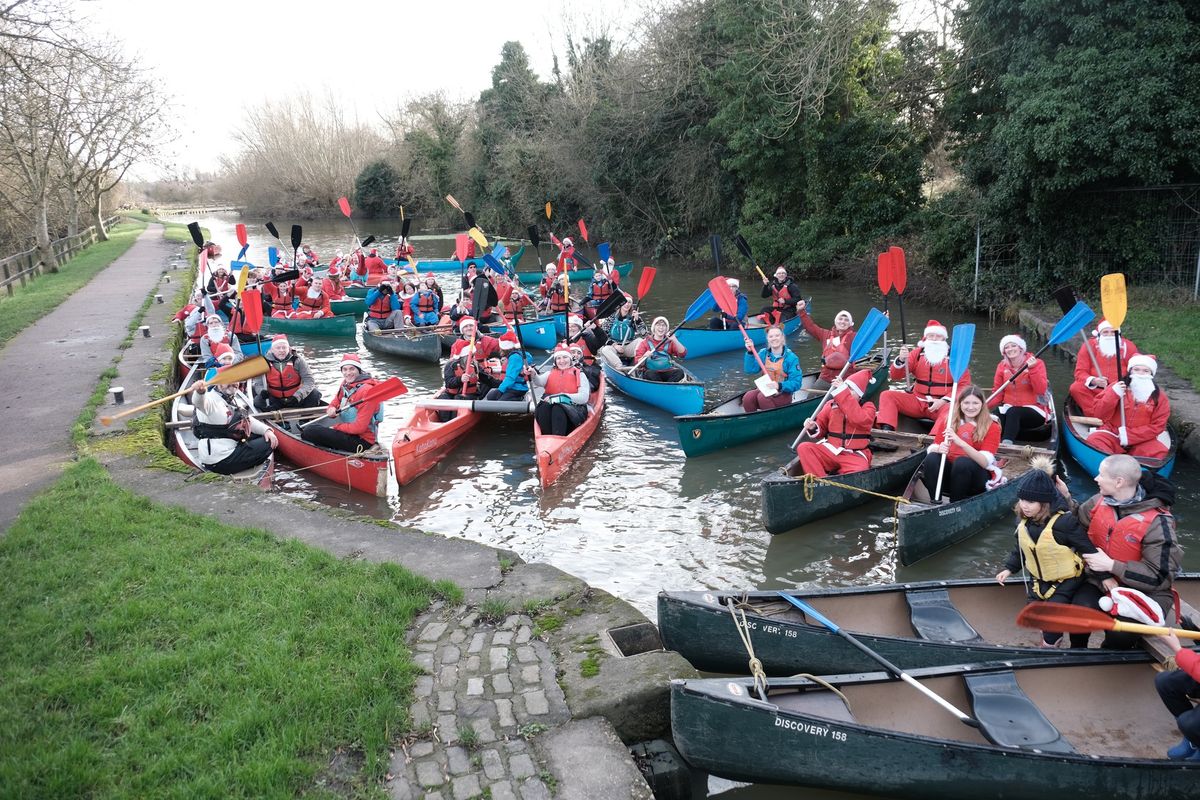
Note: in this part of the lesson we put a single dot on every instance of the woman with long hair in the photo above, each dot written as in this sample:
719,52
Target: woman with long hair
969,441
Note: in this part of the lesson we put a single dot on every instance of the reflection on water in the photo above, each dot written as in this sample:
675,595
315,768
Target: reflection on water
632,515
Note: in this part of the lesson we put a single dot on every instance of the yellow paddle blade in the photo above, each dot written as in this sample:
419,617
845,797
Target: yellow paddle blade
241,371
1112,298
478,236
547,209
402,213
243,276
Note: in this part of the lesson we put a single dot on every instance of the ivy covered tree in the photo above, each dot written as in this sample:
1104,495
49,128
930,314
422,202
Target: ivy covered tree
377,189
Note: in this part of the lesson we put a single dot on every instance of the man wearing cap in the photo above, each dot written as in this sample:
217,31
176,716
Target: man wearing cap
1131,524
1097,369
357,425
312,299
724,322
836,340
376,267
928,365
846,423
425,306
784,293
216,333
1135,414
517,362
384,311
655,352
1023,403
481,345
227,441
289,383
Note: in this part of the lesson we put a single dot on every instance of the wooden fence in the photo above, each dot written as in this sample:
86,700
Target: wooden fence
27,266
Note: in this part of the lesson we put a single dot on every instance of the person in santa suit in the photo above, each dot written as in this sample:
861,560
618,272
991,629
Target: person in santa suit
784,293
1024,404
1135,414
404,250
928,365
217,334
833,340
1092,377
375,266
846,423
313,302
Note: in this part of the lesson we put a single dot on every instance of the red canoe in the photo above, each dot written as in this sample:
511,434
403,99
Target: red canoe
366,472
554,453
423,441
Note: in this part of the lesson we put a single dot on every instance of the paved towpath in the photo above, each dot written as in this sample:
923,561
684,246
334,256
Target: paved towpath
50,369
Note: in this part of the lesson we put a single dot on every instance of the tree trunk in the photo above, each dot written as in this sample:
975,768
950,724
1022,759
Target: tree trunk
45,250
97,208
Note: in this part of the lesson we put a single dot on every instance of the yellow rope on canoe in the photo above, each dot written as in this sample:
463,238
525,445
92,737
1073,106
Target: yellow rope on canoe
756,667
811,480
822,682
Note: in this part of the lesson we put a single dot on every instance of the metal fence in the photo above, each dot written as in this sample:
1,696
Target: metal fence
26,266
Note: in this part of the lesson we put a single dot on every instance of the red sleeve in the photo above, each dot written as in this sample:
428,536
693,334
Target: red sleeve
965,380
1157,424
642,349
814,330
939,427
822,418
991,440
676,349
1189,661
1083,365
996,381
1037,377
856,413
1107,405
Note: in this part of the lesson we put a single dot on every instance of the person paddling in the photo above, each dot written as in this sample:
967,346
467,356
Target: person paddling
1024,403
227,441
784,293
783,369
846,422
289,383
659,366
563,406
357,426
929,367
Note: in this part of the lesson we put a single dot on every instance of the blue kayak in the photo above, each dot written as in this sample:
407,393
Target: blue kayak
686,397
1074,434
704,342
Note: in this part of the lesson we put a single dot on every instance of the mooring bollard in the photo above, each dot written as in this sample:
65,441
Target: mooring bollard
118,393
145,329
158,298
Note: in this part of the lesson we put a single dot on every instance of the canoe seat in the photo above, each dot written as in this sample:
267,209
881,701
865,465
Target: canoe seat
935,618
1007,717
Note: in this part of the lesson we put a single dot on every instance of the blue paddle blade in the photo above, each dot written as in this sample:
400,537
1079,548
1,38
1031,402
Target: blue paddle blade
491,261
699,307
961,342
273,255
210,373
1072,323
809,610
242,252
870,331
605,250
500,251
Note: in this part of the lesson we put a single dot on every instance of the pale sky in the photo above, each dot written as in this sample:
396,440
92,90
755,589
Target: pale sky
217,58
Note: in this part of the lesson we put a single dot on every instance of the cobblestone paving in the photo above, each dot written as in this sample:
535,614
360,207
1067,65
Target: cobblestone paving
486,688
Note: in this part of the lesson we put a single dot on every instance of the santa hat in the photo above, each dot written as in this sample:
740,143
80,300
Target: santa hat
561,348
1121,601
430,275
575,319
567,241
1143,360
279,337
858,381
1012,338
551,268
848,315
933,326
733,282
656,320
1102,326
221,350
509,341
465,321
352,359
214,317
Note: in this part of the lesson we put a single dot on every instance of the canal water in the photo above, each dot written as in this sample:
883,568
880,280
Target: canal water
632,515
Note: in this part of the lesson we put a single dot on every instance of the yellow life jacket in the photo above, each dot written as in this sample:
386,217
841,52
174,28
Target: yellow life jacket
1046,559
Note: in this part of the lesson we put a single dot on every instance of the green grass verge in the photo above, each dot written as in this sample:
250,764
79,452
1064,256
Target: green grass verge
1170,334
42,295
150,652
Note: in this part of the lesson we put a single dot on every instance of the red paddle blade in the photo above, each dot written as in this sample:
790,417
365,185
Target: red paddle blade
899,269
460,246
884,272
252,308
243,240
723,295
583,230
384,390
344,205
1065,619
646,281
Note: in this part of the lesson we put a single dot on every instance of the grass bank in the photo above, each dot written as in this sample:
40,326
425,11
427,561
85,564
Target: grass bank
42,295
1169,332
148,651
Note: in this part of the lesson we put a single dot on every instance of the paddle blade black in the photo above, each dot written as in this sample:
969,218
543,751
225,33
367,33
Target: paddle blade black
743,247
271,229
534,238
1065,297
470,219
610,305
197,234
284,277
297,236
404,227
367,241
715,241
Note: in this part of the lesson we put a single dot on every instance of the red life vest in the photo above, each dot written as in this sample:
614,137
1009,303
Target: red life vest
563,381
381,308
237,321
200,330
313,303
842,433
782,298
283,379
1121,538
426,301
932,381
559,304
470,379
280,296
601,290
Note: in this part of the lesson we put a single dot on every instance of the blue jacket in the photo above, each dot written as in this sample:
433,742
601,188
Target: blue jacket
373,295
793,377
743,308
414,301
513,379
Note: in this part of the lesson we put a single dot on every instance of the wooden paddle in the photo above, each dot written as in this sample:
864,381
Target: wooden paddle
960,356
1080,619
380,392
728,304
809,611
1076,319
243,371
1114,304
548,209
872,328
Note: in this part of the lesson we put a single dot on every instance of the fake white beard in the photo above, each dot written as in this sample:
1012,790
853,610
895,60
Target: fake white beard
936,352
313,292
1142,386
1108,346
216,334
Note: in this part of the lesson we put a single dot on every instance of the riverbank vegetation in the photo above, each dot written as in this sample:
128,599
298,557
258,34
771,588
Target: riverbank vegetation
823,130
147,651
39,297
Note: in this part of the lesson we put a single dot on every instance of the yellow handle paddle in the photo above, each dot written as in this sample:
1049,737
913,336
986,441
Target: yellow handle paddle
1114,303
244,371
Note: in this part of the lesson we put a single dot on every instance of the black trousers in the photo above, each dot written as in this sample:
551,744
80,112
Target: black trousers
507,394
248,454
1019,422
1174,688
963,477
266,402
1089,596
559,419
322,434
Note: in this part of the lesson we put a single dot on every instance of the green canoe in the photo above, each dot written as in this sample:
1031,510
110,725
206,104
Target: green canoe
350,305
341,326
728,424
